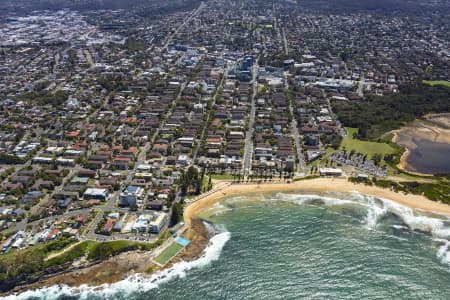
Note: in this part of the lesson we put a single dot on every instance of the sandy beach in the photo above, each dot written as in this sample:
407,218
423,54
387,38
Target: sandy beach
315,185
120,266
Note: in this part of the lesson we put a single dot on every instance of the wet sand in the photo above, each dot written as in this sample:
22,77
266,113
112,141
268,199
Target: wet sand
126,264
311,186
434,128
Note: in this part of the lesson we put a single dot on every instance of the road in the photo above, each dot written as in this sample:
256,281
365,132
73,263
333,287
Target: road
142,156
285,43
194,156
110,205
248,150
113,199
360,90
294,124
192,15
296,135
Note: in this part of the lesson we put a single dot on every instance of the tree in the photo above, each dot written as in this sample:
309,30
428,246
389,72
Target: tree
377,159
210,183
177,214
190,181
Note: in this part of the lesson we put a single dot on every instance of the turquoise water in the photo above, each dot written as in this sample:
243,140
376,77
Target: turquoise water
288,246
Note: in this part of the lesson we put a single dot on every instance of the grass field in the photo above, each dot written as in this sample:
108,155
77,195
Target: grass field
95,250
71,254
364,147
168,253
437,82
28,262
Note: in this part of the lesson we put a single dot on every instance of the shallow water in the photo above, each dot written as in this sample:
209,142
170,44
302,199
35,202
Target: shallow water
292,246
429,157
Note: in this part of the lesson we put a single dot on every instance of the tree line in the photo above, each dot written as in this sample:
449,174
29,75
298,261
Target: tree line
380,114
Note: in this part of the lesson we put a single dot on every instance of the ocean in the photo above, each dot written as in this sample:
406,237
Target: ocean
297,246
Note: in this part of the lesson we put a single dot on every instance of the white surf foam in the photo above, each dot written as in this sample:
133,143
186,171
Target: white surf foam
302,199
374,212
443,253
216,209
414,220
376,207
135,283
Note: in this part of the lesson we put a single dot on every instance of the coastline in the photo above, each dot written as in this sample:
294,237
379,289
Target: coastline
121,266
403,164
315,185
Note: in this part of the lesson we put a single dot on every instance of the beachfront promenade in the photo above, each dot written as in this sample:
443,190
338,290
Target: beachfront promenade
222,184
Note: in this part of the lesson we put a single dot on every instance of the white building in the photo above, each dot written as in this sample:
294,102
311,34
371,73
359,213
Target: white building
131,196
42,160
94,193
158,224
142,223
330,172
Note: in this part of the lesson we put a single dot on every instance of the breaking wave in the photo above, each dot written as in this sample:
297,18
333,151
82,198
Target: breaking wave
132,284
443,253
216,209
374,211
437,226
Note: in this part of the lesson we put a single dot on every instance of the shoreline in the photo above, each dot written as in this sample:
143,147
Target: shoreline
118,267
403,164
434,128
315,185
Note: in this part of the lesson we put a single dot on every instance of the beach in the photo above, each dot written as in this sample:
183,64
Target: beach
315,185
117,268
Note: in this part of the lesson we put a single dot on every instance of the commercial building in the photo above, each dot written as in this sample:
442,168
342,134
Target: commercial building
330,172
158,224
94,193
142,223
131,196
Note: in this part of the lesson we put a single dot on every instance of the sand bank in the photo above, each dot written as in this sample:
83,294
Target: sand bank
315,185
434,128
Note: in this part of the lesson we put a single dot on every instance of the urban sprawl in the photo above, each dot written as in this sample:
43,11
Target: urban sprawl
110,119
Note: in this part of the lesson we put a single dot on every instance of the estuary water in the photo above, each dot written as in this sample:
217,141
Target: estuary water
429,157
296,246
